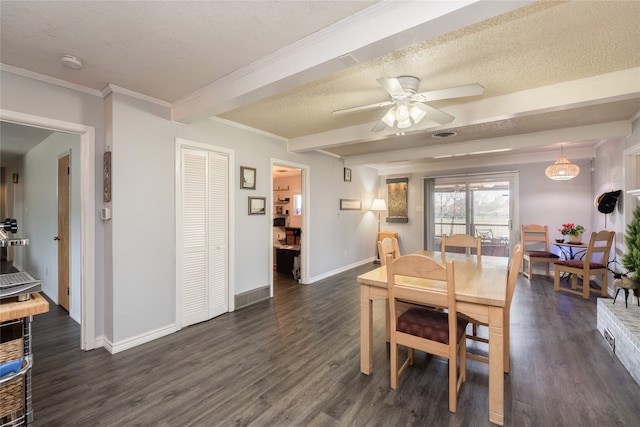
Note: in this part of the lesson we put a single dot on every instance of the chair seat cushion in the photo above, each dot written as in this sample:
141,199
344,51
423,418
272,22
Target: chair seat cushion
540,254
429,324
577,263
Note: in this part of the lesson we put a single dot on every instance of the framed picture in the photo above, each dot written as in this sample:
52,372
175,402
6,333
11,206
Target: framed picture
247,178
398,205
347,174
350,205
257,205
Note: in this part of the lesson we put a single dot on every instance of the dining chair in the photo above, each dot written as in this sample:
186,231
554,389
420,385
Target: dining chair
388,245
420,328
461,241
535,242
379,238
600,246
484,235
512,279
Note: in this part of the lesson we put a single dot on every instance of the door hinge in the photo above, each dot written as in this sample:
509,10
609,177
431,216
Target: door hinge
68,173
67,291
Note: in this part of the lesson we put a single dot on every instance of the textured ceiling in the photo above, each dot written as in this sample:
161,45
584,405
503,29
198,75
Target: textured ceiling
553,72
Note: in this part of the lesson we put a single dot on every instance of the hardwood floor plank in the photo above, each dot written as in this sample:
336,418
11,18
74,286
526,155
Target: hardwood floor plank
294,360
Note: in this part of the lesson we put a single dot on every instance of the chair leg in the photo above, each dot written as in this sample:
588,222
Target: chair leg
394,365
453,384
556,280
586,288
547,264
530,269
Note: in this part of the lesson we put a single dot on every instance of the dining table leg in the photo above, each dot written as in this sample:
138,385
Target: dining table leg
496,365
366,331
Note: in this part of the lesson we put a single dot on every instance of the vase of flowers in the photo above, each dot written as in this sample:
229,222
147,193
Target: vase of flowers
573,232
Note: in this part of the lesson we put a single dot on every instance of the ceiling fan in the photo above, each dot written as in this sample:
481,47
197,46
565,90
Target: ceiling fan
409,106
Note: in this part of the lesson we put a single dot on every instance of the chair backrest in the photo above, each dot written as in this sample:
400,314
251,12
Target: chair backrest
389,245
384,234
421,267
484,235
512,275
461,241
535,237
599,243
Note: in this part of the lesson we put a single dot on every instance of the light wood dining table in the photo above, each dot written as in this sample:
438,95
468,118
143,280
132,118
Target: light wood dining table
481,290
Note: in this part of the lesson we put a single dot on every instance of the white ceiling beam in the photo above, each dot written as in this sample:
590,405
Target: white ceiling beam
580,156
379,29
579,93
514,142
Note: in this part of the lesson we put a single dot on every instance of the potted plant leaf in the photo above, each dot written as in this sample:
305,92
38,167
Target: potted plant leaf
631,259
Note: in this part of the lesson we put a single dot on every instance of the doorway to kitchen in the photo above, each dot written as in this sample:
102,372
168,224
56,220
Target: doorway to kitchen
288,225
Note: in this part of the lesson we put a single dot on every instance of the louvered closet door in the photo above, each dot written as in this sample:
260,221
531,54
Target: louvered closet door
205,235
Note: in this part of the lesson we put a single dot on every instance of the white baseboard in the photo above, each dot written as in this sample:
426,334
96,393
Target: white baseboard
128,343
340,270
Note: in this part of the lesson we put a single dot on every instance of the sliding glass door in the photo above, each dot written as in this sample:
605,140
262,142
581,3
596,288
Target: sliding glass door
479,205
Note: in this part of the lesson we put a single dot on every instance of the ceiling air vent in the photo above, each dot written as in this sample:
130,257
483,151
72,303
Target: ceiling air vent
443,134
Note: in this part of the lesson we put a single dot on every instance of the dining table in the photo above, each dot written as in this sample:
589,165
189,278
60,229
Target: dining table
481,292
572,250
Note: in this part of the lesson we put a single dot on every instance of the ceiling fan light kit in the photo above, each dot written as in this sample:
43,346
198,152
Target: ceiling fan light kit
408,106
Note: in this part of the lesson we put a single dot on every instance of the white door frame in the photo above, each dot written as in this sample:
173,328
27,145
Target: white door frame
185,143
87,213
306,215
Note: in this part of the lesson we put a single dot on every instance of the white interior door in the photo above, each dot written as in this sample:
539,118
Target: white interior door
204,204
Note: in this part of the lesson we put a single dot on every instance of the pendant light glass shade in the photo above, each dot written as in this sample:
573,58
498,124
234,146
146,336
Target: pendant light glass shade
562,169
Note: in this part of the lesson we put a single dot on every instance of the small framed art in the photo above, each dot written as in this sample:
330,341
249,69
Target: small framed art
350,205
257,205
247,178
347,175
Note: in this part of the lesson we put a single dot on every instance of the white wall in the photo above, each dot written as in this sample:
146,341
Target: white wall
29,96
143,217
39,182
542,201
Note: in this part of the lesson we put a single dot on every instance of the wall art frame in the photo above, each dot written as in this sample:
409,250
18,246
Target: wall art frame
347,175
247,178
350,205
398,209
257,205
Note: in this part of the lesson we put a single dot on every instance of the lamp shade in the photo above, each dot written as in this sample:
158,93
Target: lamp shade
562,170
378,205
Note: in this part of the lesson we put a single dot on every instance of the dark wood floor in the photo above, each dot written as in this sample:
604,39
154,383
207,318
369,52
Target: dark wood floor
294,361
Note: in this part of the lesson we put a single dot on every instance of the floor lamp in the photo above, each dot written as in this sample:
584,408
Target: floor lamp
378,205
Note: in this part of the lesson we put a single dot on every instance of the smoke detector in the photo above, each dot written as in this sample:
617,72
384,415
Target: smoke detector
71,61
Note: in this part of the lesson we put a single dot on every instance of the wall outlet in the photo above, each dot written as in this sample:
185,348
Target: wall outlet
609,339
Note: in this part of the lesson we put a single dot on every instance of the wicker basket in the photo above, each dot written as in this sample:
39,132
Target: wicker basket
12,393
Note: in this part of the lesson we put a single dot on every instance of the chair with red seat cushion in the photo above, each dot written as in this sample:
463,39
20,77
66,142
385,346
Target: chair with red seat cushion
594,263
422,328
535,243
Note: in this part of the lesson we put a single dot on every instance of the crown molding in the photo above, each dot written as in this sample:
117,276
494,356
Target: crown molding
117,89
51,80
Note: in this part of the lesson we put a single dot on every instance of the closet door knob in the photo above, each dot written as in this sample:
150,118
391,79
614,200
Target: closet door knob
56,238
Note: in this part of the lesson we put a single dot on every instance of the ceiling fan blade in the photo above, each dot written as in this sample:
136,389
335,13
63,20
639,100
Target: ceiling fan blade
435,114
392,86
449,93
364,107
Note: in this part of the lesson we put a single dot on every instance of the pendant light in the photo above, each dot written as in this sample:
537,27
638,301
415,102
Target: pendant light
562,169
